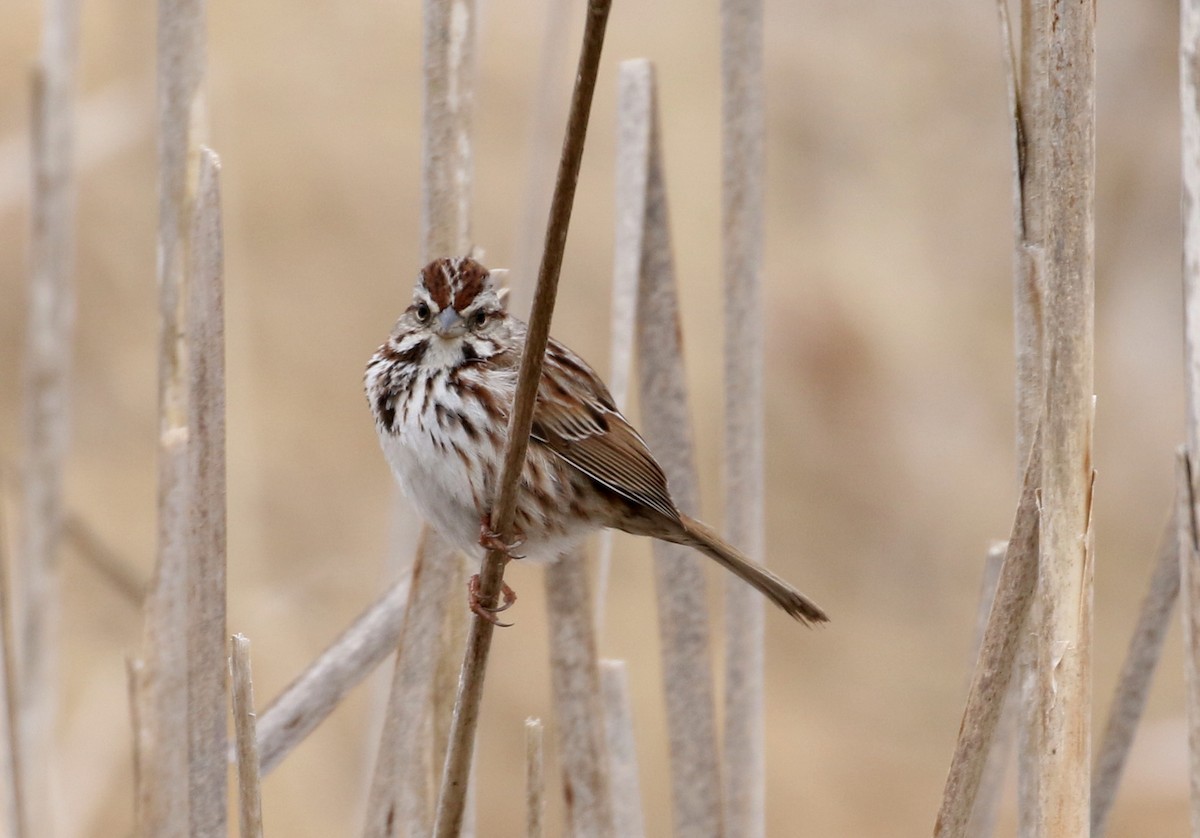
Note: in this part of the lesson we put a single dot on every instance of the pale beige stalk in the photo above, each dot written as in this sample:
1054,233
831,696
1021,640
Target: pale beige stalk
249,787
742,246
1064,623
1006,621
11,777
986,810
1137,673
578,701
163,703
549,97
46,372
1189,95
535,780
206,638
401,787
666,424
622,750
1026,97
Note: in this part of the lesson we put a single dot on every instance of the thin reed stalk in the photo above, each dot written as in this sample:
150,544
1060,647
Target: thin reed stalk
622,750
535,780
549,95
1027,85
742,247
311,697
1030,148
633,138
14,822
1189,91
452,796
206,638
249,779
163,702
986,811
399,801
1137,673
1064,625
136,689
448,51
578,701
1189,606
998,651
416,722
666,425
46,372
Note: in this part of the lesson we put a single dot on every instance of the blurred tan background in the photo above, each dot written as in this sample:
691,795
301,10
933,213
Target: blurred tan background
889,369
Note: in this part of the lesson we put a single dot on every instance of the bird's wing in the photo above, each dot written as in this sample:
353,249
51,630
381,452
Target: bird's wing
576,418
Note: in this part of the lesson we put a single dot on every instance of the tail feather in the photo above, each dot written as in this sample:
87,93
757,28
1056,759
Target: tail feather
780,592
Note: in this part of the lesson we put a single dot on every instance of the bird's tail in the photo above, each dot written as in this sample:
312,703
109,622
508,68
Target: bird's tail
704,539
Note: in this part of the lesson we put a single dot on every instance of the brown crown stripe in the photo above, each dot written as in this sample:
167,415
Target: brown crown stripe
470,280
436,278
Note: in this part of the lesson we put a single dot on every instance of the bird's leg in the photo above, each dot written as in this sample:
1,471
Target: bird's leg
489,612
489,539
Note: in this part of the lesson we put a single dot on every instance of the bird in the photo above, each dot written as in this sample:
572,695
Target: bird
441,389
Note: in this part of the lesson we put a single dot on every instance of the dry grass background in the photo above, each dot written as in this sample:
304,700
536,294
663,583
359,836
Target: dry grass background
889,369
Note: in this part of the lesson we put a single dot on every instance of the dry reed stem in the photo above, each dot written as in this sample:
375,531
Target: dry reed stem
1064,626
456,623
207,658
1137,673
399,801
412,742
997,656
46,373
535,782
742,246
249,785
986,811
311,697
549,94
1027,98
666,425
578,701
1189,95
1189,591
164,701
622,751
1189,98
633,149
10,764
448,51
466,712
135,676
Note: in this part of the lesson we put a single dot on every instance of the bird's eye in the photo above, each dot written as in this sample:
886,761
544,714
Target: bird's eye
423,312
479,318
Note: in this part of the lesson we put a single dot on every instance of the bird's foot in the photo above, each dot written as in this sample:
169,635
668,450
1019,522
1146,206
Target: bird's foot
508,595
489,539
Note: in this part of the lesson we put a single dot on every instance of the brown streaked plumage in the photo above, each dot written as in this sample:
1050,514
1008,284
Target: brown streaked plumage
444,381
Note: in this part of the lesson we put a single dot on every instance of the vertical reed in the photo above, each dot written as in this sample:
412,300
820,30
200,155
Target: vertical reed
452,796
46,370
742,133
1064,623
249,790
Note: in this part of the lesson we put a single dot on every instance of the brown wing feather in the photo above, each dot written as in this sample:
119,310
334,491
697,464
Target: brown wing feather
576,418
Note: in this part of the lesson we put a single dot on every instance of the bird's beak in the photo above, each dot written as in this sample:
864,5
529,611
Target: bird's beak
449,324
